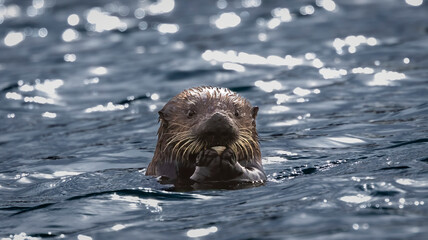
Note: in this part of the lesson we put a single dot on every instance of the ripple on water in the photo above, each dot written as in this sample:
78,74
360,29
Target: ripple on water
331,142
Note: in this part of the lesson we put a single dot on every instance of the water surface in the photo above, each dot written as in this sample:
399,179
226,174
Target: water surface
342,89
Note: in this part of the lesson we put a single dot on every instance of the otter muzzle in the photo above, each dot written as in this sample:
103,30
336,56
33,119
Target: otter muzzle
217,130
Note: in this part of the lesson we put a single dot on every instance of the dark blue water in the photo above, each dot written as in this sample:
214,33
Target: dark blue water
342,88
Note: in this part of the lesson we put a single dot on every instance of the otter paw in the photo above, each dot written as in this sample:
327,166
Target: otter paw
207,157
229,156
210,166
230,167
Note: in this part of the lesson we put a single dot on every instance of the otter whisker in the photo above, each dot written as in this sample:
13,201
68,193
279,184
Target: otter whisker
243,150
249,148
248,142
180,150
180,145
179,125
174,140
234,150
179,136
247,154
171,141
196,147
187,148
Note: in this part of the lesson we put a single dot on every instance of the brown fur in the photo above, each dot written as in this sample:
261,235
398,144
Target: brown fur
182,118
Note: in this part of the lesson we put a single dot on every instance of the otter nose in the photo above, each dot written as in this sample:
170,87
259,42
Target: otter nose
218,125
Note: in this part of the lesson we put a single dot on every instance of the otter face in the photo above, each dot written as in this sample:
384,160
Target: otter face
204,117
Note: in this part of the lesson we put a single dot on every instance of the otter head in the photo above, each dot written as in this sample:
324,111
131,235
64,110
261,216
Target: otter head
205,117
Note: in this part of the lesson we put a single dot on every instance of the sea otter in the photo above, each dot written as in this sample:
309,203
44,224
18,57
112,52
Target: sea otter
207,135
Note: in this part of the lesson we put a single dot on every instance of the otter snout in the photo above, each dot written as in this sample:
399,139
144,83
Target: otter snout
217,130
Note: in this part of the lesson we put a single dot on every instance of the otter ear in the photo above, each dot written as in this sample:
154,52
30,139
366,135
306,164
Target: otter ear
161,115
162,119
254,112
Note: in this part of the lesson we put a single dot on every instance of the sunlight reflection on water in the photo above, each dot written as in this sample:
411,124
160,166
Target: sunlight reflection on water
226,20
201,232
268,86
251,59
348,140
83,237
359,198
352,42
98,70
102,21
73,19
329,73
21,236
161,7
70,34
328,5
13,38
151,204
273,160
118,227
415,3
109,107
168,28
411,182
386,78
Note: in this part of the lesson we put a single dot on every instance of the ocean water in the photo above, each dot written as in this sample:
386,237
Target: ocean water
342,88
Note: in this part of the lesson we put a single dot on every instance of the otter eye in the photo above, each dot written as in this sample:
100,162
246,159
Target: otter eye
190,113
237,114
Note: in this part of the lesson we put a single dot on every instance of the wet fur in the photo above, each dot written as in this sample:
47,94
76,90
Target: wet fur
180,121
